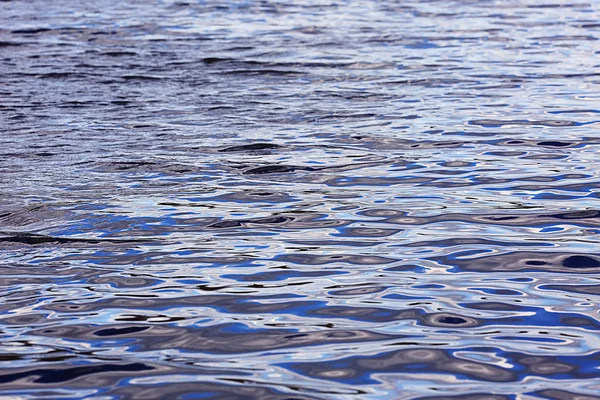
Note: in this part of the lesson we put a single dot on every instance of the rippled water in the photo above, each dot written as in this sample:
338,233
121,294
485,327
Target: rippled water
299,200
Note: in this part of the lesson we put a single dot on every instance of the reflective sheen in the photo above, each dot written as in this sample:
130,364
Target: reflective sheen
299,199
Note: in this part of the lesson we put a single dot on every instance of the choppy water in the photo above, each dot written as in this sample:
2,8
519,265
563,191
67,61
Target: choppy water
299,200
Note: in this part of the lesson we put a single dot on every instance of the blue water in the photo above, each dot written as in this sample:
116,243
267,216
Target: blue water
299,200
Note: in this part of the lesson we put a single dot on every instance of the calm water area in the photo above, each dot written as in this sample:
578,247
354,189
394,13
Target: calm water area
311,199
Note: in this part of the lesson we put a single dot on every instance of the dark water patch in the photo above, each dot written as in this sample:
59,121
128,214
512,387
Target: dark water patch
500,292
10,44
523,262
52,376
554,144
141,77
119,53
560,394
250,147
581,262
491,306
119,331
584,289
31,31
34,239
275,169
450,320
577,215
550,144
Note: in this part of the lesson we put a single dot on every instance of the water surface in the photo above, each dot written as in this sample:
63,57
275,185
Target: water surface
299,199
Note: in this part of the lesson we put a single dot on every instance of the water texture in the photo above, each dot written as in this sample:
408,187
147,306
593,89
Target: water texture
299,199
